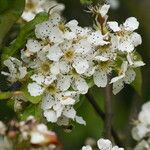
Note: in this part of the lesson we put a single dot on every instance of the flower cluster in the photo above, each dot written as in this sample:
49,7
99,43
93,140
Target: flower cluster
33,7
141,131
63,58
28,132
103,144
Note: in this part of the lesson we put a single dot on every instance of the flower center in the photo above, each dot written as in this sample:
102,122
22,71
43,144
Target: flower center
69,54
31,5
52,89
62,27
45,67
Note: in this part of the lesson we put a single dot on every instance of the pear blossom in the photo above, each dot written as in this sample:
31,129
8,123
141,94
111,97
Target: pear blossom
16,69
33,7
141,130
61,105
126,38
103,144
126,75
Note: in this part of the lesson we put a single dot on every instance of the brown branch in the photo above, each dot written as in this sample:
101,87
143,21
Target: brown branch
108,111
102,116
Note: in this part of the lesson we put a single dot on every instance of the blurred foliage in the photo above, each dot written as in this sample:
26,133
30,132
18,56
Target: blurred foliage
10,11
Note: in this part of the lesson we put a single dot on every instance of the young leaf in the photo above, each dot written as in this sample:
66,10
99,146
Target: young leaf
9,14
32,110
137,83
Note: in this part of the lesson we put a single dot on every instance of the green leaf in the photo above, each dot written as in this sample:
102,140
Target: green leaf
32,99
137,83
10,11
32,110
5,95
85,2
26,31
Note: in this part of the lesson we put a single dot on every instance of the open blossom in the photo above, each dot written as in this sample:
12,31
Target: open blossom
126,38
103,144
16,69
32,7
141,131
63,57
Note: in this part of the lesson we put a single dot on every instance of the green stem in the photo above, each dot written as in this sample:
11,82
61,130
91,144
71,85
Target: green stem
5,95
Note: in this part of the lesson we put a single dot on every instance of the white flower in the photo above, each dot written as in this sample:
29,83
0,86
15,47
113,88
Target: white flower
88,147
127,75
33,46
144,114
104,144
103,10
33,7
127,39
96,38
141,130
41,83
133,62
35,89
143,145
50,29
16,69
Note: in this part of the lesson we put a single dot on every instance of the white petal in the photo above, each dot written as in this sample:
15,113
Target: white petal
96,38
38,78
55,68
126,45
80,120
113,25
138,64
131,24
47,102
67,101
50,115
37,138
118,86
49,79
23,72
100,78
55,18
80,64
130,76
136,39
117,148
70,112
54,53
55,35
64,82
28,16
35,89
43,30
83,47
104,144
81,85
88,147
33,46
64,67
104,9
71,24
115,79
101,58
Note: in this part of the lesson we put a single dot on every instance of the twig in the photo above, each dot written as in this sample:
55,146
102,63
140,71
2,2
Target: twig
102,116
108,111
